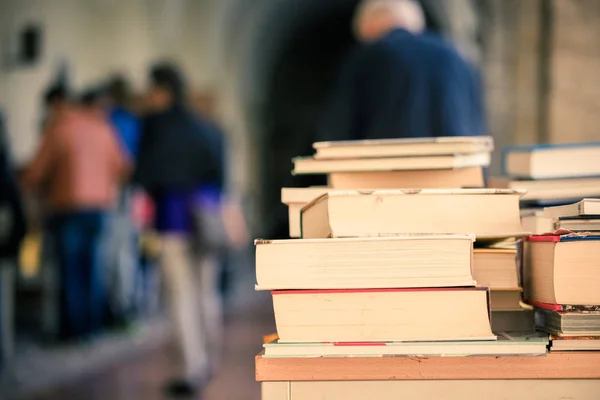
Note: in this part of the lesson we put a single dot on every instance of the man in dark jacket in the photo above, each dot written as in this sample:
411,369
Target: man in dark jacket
177,157
12,231
403,82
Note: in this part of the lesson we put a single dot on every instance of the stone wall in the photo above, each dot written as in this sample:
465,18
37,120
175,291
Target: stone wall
574,91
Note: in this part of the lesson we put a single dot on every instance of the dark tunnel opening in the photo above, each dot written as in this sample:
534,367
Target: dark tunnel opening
303,73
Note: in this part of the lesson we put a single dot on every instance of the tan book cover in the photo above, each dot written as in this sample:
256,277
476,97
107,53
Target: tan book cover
562,270
496,268
404,147
583,207
550,189
486,213
311,165
364,263
382,315
440,178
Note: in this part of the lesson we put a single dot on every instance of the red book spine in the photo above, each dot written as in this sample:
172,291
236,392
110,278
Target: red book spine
547,306
544,238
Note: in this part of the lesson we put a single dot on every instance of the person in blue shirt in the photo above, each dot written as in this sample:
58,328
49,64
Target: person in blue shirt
179,155
403,82
126,123
125,276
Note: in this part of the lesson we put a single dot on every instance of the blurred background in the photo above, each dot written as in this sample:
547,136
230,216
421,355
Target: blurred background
260,71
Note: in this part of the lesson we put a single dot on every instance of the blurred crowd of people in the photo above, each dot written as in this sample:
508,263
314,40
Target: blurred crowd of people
105,175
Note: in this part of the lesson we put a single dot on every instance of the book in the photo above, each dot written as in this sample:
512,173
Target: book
487,213
533,221
295,199
382,315
311,165
471,177
562,269
508,299
513,321
578,224
550,189
575,343
529,343
379,148
584,207
552,161
496,268
356,263
568,323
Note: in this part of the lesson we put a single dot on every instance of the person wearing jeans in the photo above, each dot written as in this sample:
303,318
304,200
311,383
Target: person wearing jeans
77,235
79,167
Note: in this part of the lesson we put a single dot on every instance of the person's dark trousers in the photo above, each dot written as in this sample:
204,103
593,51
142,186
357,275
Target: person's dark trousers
78,237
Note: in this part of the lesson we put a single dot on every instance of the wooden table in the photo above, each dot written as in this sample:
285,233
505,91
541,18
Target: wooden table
558,375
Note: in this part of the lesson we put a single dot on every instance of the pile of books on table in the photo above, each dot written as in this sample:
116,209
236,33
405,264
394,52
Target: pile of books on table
395,272
447,162
552,175
562,277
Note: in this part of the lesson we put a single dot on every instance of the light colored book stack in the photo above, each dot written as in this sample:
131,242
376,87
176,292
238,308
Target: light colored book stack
552,175
562,277
447,162
391,272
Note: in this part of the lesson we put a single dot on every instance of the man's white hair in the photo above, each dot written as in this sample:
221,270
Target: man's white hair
406,14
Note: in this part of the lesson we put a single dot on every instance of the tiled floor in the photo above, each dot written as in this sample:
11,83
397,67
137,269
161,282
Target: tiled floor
143,377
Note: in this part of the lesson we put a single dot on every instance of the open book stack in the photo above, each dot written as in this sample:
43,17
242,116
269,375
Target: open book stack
551,175
391,272
447,162
562,277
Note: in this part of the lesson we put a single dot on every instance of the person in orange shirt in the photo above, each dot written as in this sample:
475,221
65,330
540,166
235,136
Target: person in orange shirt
77,171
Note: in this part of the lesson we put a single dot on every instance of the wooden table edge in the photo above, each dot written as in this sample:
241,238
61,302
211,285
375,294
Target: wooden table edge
556,365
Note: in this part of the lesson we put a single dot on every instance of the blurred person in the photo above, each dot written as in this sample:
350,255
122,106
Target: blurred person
121,234
12,232
126,122
77,170
56,101
402,82
176,158
225,206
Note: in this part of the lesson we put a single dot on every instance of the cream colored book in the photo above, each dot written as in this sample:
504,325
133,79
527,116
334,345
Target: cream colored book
311,165
356,263
550,189
555,161
506,299
486,213
403,147
434,178
529,343
296,199
533,221
496,268
382,315
575,343
562,270
579,224
584,207
513,321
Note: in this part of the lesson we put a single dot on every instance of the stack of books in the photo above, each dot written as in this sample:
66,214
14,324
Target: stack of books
446,162
562,277
552,175
583,216
391,272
